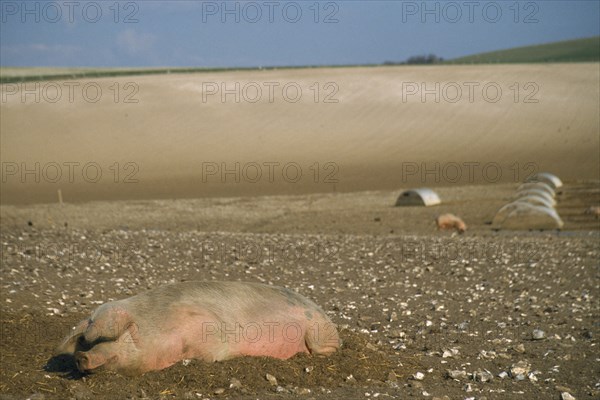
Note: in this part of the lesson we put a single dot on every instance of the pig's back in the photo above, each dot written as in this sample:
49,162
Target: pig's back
222,299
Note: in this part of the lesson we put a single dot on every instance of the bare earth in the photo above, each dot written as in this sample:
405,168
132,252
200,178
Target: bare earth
422,313
402,293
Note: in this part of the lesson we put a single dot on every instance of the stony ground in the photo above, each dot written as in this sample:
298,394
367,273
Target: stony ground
423,314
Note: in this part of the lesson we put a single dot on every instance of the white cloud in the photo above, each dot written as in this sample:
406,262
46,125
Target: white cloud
134,43
41,54
56,49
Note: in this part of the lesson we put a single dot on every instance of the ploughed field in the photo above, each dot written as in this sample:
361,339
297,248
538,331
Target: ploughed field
296,131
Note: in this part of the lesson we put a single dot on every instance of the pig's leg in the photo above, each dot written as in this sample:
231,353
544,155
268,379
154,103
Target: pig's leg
322,337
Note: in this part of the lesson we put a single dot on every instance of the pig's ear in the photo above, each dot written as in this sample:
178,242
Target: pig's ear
107,324
69,344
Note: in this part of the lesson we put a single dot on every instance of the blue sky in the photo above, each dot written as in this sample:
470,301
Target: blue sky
263,33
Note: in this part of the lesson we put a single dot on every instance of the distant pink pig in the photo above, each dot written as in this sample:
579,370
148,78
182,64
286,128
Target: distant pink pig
211,321
451,221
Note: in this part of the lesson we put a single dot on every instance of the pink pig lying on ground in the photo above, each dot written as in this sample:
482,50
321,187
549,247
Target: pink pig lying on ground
211,321
451,221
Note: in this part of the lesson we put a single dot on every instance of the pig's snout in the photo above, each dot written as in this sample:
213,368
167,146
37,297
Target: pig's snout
83,361
91,360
